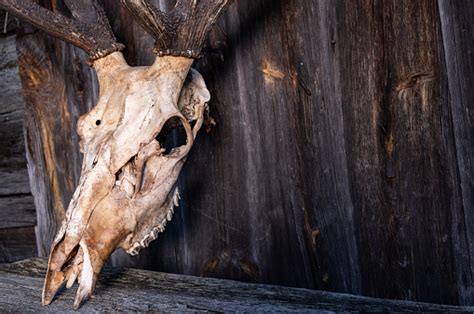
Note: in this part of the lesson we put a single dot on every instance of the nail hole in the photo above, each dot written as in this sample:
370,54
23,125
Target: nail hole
98,122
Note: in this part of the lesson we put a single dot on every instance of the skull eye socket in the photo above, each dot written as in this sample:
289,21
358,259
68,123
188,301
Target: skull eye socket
172,135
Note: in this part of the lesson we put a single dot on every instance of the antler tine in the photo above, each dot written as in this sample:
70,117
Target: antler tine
94,35
184,30
151,19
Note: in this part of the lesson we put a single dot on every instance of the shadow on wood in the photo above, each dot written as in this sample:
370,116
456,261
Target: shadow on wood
341,158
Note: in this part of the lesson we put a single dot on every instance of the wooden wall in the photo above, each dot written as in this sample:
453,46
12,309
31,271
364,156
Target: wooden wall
343,154
17,210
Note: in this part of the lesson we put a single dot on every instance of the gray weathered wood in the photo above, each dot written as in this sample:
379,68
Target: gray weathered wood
17,211
13,173
401,155
138,290
457,21
17,244
16,203
53,159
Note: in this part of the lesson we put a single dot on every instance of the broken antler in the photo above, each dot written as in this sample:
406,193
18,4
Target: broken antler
181,32
87,29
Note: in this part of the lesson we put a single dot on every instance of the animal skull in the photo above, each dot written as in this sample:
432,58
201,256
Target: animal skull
127,188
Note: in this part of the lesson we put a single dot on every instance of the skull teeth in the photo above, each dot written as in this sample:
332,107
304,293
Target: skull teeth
137,246
87,278
176,199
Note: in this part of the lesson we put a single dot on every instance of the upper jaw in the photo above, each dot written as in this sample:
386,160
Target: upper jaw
127,191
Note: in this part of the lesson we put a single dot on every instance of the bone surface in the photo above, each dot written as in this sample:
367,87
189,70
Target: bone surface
127,191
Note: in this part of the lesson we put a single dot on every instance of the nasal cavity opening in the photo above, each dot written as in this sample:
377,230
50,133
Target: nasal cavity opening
172,135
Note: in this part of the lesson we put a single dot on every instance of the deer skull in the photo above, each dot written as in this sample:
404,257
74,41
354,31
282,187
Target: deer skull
127,188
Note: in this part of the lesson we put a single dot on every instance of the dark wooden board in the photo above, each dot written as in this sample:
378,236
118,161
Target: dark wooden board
139,290
8,24
401,155
17,244
342,155
457,23
17,209
13,172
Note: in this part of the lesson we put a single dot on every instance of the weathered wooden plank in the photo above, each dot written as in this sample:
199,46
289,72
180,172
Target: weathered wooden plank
401,154
315,141
138,290
457,20
13,174
259,221
16,203
17,244
14,181
11,140
8,53
10,84
53,159
17,211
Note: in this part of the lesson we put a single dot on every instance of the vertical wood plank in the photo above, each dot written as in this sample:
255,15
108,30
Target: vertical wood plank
457,20
13,174
58,88
403,168
17,212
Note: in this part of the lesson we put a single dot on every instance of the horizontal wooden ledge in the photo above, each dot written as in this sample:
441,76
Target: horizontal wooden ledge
140,290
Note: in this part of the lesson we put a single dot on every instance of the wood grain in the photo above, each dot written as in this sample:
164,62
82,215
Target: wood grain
13,173
17,244
17,211
342,155
458,39
402,163
139,290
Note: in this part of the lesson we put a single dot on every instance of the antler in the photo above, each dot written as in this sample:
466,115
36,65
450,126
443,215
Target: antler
90,32
181,32
127,190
